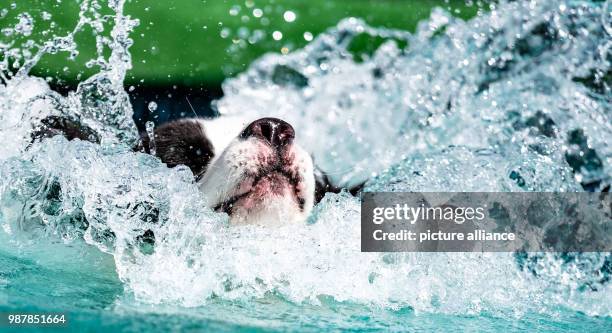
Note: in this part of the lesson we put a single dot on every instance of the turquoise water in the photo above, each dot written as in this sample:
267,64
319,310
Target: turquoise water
516,99
43,276
95,301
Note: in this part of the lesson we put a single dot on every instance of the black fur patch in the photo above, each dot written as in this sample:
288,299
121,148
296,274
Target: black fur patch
181,142
70,129
177,142
323,185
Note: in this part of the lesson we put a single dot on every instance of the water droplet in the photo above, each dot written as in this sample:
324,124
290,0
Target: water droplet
152,106
234,10
277,35
150,127
25,24
225,32
289,16
45,16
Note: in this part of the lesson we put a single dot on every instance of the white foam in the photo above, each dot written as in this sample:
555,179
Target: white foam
398,111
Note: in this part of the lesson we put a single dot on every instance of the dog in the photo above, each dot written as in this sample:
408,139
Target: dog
255,171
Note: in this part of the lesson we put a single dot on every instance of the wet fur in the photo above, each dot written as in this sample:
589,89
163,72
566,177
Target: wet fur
180,142
280,182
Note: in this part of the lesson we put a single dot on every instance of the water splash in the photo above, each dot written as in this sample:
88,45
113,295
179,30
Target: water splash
521,77
99,102
511,100
460,169
150,128
116,199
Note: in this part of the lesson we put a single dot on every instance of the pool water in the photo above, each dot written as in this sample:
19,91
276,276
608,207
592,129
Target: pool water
515,99
89,290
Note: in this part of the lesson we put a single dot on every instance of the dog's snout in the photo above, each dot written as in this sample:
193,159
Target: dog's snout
275,131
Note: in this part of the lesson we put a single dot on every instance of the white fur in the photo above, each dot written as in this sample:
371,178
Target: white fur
238,162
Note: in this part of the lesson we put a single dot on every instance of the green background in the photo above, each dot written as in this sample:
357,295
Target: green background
179,41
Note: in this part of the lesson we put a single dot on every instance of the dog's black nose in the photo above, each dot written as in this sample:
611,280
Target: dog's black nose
273,130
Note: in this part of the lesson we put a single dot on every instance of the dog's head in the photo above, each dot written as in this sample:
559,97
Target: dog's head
256,173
